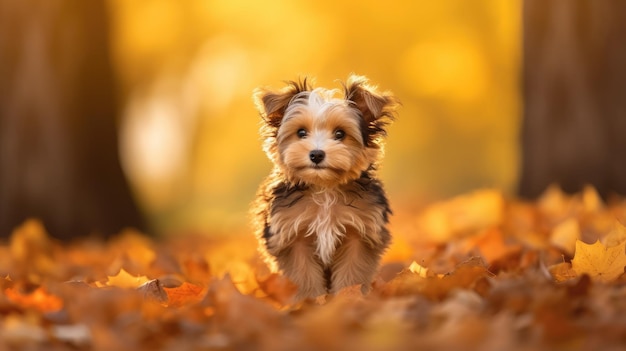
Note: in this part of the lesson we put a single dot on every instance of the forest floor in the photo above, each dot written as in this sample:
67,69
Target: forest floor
477,272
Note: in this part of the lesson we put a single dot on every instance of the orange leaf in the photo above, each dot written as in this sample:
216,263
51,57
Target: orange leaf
184,294
492,245
278,288
39,299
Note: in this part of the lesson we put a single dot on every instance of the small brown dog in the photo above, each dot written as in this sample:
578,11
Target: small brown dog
321,215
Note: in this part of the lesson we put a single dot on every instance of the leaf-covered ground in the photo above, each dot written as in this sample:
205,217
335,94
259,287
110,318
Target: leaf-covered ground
479,271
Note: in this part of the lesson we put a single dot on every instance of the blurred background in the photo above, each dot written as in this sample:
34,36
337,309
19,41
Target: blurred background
190,139
121,113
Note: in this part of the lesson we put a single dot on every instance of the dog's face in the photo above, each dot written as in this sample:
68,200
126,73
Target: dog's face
318,139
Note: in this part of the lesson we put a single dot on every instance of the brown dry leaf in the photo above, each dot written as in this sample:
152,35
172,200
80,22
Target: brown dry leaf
562,271
464,276
153,290
38,299
599,262
278,288
196,269
515,303
184,294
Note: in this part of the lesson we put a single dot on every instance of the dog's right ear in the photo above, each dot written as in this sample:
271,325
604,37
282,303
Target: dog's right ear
272,104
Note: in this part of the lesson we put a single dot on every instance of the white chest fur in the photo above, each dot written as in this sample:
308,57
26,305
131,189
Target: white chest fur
326,216
325,223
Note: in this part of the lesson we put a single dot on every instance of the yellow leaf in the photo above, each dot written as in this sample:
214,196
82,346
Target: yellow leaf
418,269
599,262
124,279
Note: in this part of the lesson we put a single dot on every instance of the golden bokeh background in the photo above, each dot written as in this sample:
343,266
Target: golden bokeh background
189,132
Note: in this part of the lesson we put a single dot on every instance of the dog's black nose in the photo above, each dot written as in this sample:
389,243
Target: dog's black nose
317,156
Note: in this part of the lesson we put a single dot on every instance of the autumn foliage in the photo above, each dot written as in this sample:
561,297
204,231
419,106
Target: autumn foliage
479,271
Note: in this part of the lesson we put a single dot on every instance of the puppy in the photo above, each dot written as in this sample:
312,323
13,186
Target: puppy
321,215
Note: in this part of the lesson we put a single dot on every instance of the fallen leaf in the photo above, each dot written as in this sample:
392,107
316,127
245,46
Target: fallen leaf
462,215
464,276
125,280
562,271
616,236
565,235
153,290
278,288
592,201
517,291
32,250
38,299
77,334
416,268
599,262
492,246
22,332
184,294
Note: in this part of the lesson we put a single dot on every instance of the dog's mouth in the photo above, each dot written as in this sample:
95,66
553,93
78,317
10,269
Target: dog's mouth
321,168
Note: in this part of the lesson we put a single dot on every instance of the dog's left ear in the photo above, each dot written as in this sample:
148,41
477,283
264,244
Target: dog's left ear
377,109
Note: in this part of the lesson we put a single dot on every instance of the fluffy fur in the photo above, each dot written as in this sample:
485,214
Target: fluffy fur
321,215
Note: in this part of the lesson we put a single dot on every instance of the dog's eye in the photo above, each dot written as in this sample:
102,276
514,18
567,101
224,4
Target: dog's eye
339,134
302,133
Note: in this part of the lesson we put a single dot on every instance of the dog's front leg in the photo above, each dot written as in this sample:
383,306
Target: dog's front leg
355,262
299,263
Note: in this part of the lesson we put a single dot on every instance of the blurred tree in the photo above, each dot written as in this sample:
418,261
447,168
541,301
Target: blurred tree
58,120
575,95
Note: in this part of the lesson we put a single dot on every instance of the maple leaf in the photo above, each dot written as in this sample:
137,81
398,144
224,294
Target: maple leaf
601,263
126,280
184,294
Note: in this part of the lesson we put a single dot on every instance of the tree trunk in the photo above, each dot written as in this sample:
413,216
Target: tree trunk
58,120
574,127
